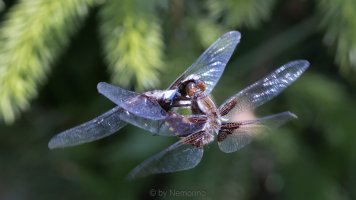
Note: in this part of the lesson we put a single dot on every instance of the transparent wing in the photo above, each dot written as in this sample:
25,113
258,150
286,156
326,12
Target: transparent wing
137,104
176,157
264,89
157,127
99,127
211,64
233,139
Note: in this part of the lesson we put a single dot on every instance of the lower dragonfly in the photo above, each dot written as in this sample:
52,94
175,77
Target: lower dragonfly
209,121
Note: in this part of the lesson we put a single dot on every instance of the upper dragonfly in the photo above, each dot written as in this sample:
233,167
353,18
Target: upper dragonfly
149,110
209,121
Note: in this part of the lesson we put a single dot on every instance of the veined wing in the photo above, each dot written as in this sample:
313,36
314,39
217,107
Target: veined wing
181,125
177,157
157,127
97,128
105,125
234,136
137,104
264,89
211,64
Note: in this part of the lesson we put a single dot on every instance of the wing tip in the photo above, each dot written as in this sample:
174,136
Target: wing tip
100,86
57,144
53,144
303,64
59,141
292,115
235,34
132,176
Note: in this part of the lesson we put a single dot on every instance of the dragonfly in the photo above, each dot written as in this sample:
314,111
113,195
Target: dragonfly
209,123
150,109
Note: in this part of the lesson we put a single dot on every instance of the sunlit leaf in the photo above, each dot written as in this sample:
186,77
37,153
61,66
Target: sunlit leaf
339,21
241,12
32,36
132,42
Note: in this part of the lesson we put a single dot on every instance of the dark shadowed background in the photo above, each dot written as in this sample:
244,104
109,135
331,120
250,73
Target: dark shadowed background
53,53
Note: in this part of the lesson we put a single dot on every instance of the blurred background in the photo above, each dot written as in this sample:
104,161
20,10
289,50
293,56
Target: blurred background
53,53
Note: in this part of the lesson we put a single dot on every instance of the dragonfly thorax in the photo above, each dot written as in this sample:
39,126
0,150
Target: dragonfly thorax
208,107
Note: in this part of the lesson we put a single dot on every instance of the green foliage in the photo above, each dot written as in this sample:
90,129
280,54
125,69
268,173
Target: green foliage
241,12
32,36
207,31
339,20
2,6
132,40
313,157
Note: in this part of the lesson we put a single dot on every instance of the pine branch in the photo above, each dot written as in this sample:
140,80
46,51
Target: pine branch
338,18
132,40
241,12
34,34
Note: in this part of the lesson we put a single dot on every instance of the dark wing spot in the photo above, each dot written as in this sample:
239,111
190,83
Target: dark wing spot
222,135
227,107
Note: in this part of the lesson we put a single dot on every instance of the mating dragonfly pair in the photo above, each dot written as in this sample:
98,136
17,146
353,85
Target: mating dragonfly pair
155,111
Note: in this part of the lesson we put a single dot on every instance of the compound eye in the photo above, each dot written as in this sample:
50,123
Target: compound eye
190,89
201,85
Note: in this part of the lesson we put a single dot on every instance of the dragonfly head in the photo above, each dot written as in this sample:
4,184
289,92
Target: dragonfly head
195,89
